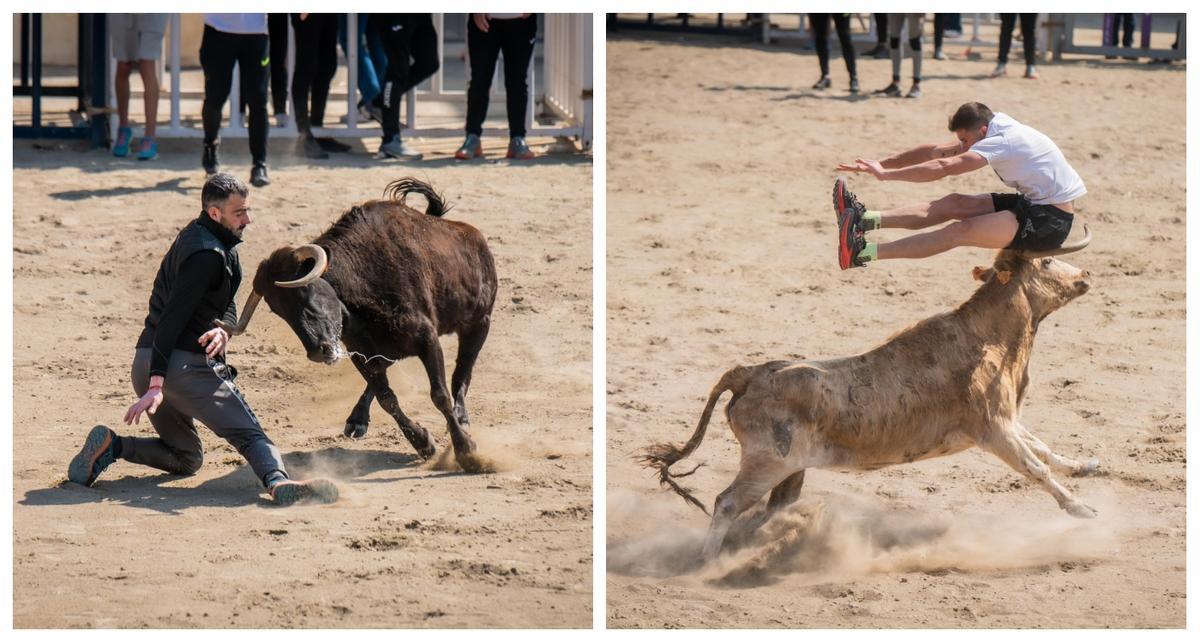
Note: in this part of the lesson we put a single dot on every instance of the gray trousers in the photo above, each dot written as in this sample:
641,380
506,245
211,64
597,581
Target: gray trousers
197,388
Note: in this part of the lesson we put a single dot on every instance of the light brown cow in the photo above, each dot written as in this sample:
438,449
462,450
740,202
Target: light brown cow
948,383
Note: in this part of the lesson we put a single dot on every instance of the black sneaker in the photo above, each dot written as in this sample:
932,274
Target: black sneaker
289,492
94,457
823,83
892,90
850,239
853,85
844,199
209,160
258,176
333,145
310,148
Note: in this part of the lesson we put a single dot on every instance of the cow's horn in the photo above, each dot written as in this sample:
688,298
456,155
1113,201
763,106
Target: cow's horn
247,312
303,253
1065,248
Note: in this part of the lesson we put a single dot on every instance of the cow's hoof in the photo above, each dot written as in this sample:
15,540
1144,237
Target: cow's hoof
1080,510
473,463
460,414
1090,468
353,430
428,452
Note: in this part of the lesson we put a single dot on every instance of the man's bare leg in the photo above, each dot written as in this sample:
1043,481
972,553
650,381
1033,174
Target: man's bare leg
122,82
149,71
993,230
931,213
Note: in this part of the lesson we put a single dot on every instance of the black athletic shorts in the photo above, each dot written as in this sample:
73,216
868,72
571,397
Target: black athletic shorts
1039,227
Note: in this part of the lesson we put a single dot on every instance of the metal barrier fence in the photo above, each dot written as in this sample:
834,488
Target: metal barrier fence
1062,27
567,55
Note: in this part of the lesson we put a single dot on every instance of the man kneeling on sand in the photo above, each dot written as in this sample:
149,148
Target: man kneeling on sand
179,369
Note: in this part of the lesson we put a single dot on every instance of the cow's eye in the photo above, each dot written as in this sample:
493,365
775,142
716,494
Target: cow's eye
1047,261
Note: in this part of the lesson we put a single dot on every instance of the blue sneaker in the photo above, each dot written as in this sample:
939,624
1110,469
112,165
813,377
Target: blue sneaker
94,457
149,149
121,147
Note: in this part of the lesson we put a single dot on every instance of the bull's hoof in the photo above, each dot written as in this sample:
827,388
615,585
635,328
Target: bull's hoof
472,462
355,431
428,452
1080,510
1090,468
460,414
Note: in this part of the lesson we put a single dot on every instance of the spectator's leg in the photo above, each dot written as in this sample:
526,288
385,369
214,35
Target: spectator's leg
895,28
277,26
1029,37
305,72
395,31
517,38
149,73
820,32
841,23
255,76
124,68
425,56
217,58
482,49
1007,22
326,45
916,35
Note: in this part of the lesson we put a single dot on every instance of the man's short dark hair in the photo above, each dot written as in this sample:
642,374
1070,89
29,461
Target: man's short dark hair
970,116
219,187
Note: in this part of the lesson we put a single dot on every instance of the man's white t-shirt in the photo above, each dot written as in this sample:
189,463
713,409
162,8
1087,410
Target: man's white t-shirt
240,23
1029,161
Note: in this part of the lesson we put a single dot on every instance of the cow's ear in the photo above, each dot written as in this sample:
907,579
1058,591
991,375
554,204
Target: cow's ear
981,273
1003,276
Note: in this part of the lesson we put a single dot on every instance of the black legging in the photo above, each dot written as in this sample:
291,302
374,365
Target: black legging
1029,40
277,26
219,52
820,27
939,30
515,39
411,44
316,63
881,28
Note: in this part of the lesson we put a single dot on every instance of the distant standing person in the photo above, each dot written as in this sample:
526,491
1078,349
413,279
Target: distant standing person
316,64
1028,39
880,50
916,28
137,40
412,56
820,27
236,39
488,36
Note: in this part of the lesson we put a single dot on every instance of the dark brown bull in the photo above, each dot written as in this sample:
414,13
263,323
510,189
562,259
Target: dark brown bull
386,281
947,383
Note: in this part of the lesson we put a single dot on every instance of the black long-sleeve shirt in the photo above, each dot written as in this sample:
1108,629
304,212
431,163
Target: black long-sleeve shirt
195,284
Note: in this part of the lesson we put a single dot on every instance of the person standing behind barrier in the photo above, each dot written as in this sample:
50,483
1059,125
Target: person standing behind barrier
137,39
1120,20
820,27
916,27
488,36
880,50
277,28
236,39
316,64
372,65
411,44
1028,39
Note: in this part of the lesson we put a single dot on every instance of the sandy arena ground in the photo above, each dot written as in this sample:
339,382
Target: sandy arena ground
721,250
406,546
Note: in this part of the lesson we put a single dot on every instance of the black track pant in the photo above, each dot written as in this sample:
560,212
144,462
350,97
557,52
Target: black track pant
219,52
316,63
1028,37
820,27
514,38
881,28
411,44
277,25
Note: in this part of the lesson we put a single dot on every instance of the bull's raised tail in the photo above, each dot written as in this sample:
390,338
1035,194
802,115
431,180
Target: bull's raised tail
399,189
661,456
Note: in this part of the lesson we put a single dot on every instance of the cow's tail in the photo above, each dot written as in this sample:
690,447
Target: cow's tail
661,456
399,190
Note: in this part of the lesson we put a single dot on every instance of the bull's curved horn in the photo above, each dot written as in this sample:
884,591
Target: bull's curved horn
247,312
1065,248
303,253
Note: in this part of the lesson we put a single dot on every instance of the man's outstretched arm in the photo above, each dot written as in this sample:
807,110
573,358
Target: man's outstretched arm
921,154
923,172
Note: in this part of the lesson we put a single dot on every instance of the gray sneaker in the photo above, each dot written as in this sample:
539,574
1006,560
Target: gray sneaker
518,149
470,149
398,149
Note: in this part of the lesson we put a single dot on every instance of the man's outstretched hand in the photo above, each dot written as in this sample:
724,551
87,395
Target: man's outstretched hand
863,166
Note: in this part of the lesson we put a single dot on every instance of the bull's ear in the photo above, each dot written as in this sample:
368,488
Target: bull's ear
1003,276
981,273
